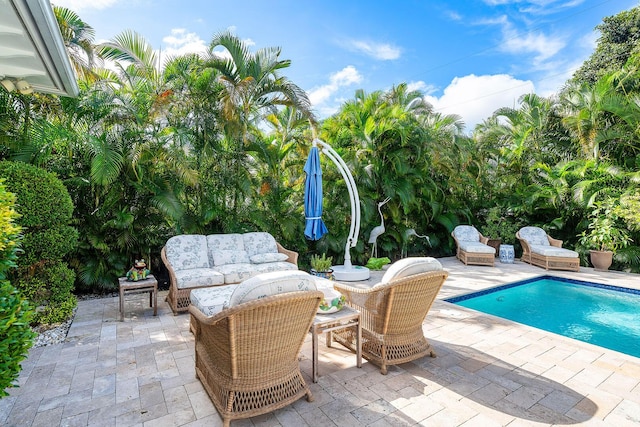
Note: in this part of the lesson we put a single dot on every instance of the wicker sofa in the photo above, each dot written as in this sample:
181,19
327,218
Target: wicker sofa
198,261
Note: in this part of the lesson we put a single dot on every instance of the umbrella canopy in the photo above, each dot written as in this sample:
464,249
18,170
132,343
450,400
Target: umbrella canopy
314,228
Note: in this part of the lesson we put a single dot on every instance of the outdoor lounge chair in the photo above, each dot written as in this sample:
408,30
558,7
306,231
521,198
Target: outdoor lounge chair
392,312
472,246
247,353
538,248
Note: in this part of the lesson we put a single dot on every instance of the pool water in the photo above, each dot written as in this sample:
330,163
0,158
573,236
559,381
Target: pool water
608,316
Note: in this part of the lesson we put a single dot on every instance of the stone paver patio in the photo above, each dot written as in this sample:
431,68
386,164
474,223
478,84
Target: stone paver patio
489,372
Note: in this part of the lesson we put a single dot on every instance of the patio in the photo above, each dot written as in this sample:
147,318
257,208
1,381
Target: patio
488,372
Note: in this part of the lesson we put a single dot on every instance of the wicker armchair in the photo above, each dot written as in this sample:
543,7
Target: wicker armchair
538,248
392,312
472,246
247,355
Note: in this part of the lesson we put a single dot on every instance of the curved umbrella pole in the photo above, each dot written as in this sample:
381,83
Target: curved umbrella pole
347,272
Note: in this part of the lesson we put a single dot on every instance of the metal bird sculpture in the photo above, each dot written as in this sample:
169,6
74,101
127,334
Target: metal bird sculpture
409,233
378,230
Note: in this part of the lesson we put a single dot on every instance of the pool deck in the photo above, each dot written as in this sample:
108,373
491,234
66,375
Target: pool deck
489,371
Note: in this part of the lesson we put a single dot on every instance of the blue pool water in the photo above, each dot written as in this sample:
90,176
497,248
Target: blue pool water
608,316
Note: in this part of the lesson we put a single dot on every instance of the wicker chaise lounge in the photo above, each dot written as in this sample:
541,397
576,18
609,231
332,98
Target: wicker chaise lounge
540,249
471,246
247,354
392,312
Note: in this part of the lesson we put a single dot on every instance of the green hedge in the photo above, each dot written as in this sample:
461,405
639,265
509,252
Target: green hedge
16,337
46,211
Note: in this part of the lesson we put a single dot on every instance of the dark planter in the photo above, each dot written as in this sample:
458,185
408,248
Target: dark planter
601,260
327,274
495,244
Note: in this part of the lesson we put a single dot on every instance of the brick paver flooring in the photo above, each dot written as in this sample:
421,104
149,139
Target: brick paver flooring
489,372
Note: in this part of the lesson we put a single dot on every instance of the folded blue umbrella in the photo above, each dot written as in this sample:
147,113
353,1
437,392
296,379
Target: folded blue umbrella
314,227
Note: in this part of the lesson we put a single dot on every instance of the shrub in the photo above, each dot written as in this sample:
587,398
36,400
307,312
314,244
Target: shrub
16,336
45,210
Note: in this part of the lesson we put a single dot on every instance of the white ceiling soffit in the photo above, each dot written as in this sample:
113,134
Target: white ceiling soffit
31,47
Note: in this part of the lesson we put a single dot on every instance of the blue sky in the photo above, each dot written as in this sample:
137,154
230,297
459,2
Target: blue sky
468,57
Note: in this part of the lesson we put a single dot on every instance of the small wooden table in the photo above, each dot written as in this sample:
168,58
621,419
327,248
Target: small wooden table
345,318
150,284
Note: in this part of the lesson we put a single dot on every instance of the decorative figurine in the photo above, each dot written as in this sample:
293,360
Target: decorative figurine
139,271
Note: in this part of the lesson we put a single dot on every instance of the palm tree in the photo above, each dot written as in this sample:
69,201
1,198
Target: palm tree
78,37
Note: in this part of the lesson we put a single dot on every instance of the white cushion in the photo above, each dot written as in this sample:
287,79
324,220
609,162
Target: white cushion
259,242
534,236
466,233
552,251
268,257
476,248
236,273
223,242
274,283
212,300
197,277
187,251
410,266
224,257
274,266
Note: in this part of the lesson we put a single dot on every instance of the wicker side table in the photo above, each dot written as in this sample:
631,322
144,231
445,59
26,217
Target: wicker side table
150,284
345,318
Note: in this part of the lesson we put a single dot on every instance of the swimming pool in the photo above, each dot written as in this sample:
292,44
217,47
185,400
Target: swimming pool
608,316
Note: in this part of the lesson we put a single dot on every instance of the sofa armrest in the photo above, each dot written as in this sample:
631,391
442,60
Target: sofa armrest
293,256
554,242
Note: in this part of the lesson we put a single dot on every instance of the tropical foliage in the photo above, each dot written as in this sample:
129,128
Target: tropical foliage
154,147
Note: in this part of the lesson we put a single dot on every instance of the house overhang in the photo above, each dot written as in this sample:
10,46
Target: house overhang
32,49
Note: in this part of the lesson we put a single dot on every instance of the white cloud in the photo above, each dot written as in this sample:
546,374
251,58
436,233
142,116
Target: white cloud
381,51
345,77
421,86
79,5
181,42
475,98
544,46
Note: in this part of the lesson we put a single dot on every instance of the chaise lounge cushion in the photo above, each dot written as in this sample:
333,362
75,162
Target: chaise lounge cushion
466,233
553,251
535,236
476,247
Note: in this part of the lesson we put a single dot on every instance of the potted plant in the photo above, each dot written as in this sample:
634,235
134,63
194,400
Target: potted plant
321,266
604,236
499,227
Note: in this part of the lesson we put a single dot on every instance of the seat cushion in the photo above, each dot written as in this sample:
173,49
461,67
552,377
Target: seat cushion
236,273
259,242
552,251
534,236
476,248
212,300
274,283
197,277
409,267
187,251
274,266
466,233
